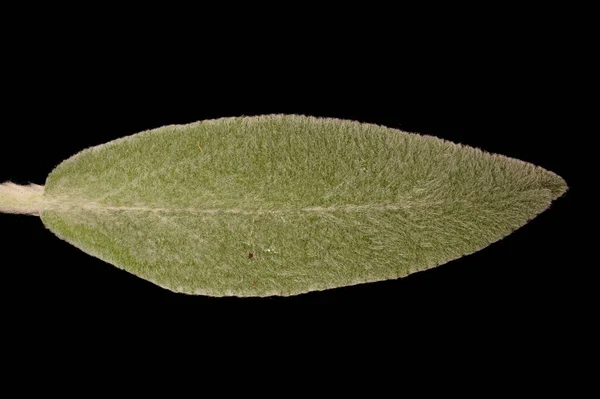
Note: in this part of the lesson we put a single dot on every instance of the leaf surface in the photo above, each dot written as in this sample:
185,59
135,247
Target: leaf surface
282,205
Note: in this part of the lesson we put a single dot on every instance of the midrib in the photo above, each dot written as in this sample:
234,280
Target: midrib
74,206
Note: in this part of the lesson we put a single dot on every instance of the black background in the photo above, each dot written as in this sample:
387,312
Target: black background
509,79
57,104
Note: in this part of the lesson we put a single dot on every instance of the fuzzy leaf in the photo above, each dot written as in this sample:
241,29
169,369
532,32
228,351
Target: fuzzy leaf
282,205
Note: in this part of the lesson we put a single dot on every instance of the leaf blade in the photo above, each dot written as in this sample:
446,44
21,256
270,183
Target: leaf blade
335,202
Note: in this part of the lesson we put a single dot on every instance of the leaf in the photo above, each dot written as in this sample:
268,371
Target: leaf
282,205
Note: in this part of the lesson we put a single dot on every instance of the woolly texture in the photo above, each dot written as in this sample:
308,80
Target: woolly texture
27,200
281,205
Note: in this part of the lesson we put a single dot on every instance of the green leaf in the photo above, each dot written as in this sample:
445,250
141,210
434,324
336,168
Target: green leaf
282,205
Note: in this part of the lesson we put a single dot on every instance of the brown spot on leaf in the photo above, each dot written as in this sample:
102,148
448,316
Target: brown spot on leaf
250,255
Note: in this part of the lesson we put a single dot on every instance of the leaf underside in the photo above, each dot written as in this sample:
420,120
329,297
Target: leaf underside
282,205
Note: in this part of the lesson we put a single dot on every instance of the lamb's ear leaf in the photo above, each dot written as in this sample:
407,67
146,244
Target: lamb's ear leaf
281,205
